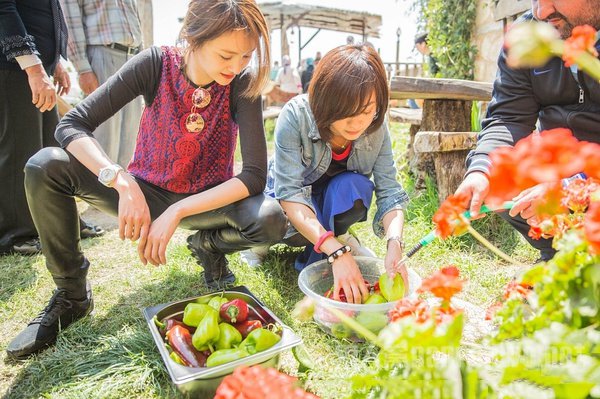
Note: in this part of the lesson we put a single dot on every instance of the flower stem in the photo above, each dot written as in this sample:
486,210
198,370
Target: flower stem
486,243
356,326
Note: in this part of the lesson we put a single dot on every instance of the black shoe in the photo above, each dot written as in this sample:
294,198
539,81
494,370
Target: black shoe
89,230
28,248
216,273
43,330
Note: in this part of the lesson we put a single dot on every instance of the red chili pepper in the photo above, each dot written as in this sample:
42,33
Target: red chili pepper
246,327
180,340
234,311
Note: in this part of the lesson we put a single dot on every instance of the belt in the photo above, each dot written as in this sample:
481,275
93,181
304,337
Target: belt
125,49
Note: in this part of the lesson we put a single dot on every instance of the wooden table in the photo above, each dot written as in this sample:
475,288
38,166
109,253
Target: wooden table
440,144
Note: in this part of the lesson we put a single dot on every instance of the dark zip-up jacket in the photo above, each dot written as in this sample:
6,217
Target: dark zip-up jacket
521,97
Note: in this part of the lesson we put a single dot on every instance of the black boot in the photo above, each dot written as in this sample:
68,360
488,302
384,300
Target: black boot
43,330
216,273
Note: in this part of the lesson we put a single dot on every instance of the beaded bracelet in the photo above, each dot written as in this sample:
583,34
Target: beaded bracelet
321,240
337,253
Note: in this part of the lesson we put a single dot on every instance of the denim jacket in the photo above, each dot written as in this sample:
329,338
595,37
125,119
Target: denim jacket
301,158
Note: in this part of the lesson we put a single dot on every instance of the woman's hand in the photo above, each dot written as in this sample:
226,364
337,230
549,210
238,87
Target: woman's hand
393,262
346,275
134,214
154,247
525,202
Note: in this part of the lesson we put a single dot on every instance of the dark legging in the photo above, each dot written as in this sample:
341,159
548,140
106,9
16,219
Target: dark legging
53,178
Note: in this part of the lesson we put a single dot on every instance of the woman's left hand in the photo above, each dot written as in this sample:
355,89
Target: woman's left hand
62,80
393,263
154,248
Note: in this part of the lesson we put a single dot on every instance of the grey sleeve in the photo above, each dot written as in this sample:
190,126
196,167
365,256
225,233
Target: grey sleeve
512,114
139,76
247,113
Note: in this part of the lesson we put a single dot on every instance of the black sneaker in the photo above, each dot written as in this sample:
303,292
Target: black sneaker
216,273
28,248
87,230
43,330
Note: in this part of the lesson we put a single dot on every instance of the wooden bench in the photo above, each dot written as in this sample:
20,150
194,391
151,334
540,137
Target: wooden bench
442,142
271,112
406,115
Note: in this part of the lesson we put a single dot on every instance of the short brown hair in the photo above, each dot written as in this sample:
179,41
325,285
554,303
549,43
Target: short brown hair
342,84
208,19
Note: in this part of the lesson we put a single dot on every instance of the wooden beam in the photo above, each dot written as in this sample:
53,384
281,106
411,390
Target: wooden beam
403,87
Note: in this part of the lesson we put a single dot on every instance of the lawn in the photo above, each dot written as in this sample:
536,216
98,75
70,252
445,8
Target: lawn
112,354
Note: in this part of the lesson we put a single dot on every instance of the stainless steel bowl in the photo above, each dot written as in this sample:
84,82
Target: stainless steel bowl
203,381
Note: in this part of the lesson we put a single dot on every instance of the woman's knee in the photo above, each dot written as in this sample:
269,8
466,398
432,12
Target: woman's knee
270,223
46,162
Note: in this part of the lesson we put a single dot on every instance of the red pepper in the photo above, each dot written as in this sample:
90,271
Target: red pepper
246,327
170,323
234,311
180,340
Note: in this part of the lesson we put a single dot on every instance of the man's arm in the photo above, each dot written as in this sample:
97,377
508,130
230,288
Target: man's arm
73,10
512,115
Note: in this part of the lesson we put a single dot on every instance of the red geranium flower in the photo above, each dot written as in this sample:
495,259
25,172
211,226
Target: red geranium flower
444,283
257,382
407,307
540,158
447,218
582,40
577,194
592,226
516,289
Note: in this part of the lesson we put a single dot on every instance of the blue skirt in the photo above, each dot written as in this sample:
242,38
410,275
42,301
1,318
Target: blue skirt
335,197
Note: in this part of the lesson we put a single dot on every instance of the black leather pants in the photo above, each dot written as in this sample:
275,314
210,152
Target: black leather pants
53,178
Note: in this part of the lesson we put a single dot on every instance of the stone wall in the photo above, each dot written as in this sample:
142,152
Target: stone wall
488,39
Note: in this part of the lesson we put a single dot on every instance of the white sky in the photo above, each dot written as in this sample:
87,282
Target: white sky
395,13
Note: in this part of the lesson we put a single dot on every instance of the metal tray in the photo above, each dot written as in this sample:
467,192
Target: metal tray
198,380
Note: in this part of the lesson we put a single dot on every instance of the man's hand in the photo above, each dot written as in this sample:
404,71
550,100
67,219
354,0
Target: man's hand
43,95
346,275
88,82
477,186
134,214
62,81
525,201
153,248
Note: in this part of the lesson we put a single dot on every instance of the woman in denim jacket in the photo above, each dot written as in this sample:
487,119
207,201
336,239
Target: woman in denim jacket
327,146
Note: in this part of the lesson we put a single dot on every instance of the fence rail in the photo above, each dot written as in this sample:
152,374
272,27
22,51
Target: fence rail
413,69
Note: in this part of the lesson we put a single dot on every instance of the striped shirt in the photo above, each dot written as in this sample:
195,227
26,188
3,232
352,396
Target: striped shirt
101,23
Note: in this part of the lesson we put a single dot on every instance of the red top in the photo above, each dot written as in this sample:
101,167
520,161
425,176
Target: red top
167,154
343,155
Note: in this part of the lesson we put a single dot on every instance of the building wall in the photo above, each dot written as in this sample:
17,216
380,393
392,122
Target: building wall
488,39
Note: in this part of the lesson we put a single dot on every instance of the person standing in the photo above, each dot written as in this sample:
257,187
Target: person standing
104,35
288,78
33,36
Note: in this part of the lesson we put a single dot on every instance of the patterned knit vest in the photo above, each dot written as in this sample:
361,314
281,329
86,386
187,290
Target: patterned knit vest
166,153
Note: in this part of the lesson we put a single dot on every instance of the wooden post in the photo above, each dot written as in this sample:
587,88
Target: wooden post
449,150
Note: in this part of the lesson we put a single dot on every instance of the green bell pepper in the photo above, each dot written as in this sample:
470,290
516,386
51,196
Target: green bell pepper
341,331
392,290
216,302
207,333
223,356
375,299
372,321
194,313
229,337
259,340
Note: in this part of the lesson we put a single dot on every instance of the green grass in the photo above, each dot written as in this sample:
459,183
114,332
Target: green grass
112,354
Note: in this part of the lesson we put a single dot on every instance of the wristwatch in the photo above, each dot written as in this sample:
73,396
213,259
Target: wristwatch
108,175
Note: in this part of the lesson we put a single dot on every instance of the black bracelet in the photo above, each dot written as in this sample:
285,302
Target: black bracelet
337,253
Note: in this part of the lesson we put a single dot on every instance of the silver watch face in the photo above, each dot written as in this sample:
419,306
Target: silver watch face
107,175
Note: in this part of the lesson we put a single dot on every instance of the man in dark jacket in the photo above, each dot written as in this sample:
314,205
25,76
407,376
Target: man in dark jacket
552,96
33,36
